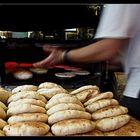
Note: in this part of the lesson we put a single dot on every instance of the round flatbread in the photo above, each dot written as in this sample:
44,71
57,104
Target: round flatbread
2,123
112,123
63,100
23,75
2,113
24,88
68,114
27,95
48,85
81,72
87,87
59,95
64,106
105,95
100,104
109,111
26,129
30,117
27,101
72,126
4,95
25,108
49,93
3,106
87,94
39,70
64,75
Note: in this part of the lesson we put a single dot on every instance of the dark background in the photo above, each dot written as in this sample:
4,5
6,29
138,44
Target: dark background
28,17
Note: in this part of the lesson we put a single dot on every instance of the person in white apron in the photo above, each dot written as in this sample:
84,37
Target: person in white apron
118,34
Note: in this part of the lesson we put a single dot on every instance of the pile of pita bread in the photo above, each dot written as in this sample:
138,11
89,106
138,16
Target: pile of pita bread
26,113
49,109
105,110
67,115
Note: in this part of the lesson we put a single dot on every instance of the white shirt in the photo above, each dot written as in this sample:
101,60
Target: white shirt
123,21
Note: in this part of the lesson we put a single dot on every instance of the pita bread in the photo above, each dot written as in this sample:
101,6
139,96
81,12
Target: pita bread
27,101
59,95
2,123
72,126
39,70
4,95
86,94
3,106
65,75
2,113
109,111
132,128
105,95
25,108
23,75
2,133
84,88
28,95
63,100
100,104
34,117
24,88
48,85
49,93
112,123
68,114
64,106
26,129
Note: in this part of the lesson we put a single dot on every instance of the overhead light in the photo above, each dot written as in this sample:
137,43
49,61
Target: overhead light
71,30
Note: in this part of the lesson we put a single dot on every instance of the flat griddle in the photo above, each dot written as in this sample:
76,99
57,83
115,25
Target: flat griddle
68,83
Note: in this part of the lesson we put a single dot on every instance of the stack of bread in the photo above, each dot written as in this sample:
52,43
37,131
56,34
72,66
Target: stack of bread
67,115
4,95
49,89
49,109
107,112
26,113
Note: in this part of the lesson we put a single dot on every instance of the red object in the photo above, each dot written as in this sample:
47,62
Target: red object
11,65
26,65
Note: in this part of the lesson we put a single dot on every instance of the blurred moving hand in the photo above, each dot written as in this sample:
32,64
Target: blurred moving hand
55,56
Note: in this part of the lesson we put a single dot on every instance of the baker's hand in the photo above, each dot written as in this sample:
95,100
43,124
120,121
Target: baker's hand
55,56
